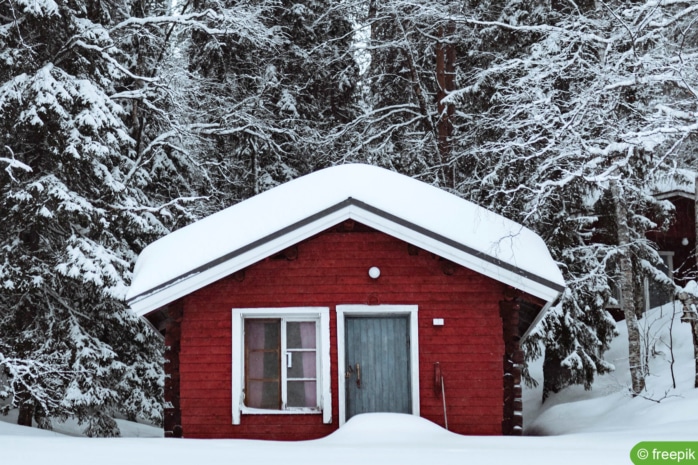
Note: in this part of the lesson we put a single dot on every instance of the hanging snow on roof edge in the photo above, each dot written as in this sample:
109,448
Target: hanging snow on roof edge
411,210
679,182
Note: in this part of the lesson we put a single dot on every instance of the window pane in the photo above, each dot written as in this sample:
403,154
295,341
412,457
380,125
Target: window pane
262,363
262,334
302,394
263,394
303,365
300,335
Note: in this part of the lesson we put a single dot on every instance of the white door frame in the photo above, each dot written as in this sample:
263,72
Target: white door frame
377,310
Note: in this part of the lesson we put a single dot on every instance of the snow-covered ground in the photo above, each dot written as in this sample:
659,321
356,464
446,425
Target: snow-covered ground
608,407
573,427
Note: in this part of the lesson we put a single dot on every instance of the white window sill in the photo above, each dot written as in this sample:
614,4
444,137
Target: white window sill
294,411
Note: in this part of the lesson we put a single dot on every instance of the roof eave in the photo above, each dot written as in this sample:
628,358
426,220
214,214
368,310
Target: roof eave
675,193
540,316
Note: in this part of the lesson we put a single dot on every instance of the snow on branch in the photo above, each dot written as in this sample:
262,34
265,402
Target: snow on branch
189,18
674,19
159,207
678,129
541,28
655,79
12,163
243,21
39,8
113,62
24,378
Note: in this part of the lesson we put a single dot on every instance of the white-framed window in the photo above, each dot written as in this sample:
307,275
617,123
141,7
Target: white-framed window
281,361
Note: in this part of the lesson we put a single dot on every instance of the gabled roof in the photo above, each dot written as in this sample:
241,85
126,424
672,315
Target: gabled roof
430,218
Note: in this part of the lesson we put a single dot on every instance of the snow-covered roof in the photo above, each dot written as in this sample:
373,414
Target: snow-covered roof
678,183
430,218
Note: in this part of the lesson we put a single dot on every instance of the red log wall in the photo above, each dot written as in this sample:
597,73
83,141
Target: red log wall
331,269
683,226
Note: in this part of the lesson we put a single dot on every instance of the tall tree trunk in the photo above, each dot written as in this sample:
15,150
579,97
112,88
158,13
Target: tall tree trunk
445,77
637,372
690,301
690,316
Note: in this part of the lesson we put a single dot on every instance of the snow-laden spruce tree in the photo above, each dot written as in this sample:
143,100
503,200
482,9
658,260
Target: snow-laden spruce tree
270,108
73,219
103,131
567,136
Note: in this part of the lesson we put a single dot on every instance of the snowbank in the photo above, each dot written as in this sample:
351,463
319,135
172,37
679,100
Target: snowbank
660,410
384,439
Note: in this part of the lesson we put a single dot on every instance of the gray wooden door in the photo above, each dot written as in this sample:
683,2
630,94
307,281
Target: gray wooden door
377,375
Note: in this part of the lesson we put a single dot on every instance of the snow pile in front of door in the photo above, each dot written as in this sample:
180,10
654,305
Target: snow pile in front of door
390,428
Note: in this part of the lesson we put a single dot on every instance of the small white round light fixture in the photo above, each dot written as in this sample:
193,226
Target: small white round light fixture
684,241
374,272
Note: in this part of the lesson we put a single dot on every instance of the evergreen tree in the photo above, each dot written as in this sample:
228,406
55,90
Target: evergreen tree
72,221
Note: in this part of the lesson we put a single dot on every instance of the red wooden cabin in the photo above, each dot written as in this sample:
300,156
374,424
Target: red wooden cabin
350,290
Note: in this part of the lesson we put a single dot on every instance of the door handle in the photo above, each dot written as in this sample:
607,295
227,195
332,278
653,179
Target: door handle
358,376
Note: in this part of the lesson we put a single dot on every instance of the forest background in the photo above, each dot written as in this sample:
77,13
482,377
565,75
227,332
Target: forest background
123,120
